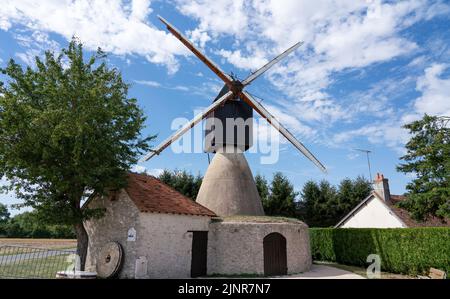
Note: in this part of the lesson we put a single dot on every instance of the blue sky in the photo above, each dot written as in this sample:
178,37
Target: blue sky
366,68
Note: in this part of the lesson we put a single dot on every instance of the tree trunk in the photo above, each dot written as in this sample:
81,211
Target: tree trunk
82,244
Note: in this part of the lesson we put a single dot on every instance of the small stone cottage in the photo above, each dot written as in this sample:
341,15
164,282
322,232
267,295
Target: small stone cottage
155,226
157,232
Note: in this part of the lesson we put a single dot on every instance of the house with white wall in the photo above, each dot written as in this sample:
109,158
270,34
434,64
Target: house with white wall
380,210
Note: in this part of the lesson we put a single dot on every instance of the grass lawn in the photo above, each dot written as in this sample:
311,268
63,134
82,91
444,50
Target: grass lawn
37,268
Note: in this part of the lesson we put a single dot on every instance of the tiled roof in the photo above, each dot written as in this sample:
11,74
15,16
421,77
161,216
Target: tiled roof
405,216
150,195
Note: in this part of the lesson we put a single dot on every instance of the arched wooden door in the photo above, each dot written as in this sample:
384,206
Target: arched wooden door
275,256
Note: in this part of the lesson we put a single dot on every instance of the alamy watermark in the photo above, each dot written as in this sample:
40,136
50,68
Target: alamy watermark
262,137
374,269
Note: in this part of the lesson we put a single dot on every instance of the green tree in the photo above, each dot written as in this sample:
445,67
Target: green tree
428,158
281,198
263,187
327,203
323,205
308,205
30,225
4,213
345,195
182,181
67,129
350,194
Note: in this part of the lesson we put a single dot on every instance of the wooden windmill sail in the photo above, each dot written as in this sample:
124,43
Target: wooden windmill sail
228,187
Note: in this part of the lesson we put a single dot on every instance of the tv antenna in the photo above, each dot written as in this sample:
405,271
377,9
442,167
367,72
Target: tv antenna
368,160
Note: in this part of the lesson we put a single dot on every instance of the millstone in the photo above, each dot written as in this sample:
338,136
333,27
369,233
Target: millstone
109,260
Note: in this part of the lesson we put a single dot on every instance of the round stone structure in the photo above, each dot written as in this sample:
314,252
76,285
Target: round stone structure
228,187
253,245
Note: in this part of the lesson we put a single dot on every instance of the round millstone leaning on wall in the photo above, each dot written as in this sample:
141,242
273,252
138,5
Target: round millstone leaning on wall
110,260
263,246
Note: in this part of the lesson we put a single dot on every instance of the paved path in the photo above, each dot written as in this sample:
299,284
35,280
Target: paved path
316,272
324,272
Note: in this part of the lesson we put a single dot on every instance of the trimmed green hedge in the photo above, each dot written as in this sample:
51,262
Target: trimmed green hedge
402,250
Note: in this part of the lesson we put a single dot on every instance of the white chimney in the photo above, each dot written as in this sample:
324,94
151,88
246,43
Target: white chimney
381,187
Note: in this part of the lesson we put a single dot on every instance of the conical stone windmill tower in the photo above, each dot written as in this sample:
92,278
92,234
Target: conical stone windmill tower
228,187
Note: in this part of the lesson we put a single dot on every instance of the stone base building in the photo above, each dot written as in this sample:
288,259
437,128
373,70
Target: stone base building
164,234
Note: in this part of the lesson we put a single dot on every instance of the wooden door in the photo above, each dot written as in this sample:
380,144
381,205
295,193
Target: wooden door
199,253
275,256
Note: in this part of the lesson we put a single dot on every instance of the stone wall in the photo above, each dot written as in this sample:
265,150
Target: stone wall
167,244
237,247
121,215
163,243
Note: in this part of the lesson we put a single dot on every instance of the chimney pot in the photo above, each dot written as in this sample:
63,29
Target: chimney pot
381,187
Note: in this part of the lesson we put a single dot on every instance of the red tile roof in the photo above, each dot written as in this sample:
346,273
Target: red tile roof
405,216
150,195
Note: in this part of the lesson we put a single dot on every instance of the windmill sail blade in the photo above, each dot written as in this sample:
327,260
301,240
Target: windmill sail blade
222,75
262,70
275,123
187,127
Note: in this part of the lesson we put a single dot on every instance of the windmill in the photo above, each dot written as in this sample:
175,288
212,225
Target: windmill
228,187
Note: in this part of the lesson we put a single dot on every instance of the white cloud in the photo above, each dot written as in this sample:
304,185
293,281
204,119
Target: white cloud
250,62
338,35
115,27
352,156
155,172
378,102
291,122
148,83
142,169
435,99
199,37
181,88
224,16
35,44
384,133
208,89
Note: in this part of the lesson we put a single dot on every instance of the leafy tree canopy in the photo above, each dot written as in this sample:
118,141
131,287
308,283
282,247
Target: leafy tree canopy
278,199
428,158
324,205
263,187
182,181
4,213
30,225
67,129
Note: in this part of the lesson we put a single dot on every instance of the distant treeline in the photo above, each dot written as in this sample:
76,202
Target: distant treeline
319,204
28,225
